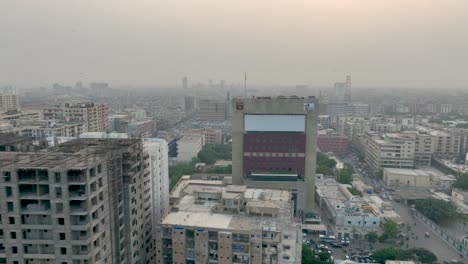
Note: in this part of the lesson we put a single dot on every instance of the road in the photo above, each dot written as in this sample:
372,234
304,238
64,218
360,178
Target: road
432,243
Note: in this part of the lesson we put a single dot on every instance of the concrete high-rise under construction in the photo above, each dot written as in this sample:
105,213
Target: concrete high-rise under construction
274,146
88,201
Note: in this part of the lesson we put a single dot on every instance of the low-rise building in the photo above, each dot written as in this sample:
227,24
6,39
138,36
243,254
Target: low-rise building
212,222
49,128
335,143
351,215
189,146
460,199
406,178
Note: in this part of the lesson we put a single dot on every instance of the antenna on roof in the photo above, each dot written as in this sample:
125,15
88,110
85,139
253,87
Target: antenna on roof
245,84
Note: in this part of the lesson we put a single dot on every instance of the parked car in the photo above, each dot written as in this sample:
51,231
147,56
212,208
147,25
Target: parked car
335,245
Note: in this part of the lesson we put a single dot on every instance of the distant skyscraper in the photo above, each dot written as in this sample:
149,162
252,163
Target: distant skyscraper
347,95
342,91
274,146
185,82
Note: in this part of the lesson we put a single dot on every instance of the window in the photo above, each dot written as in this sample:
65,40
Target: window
12,220
59,207
57,177
10,206
58,192
61,221
62,236
99,168
13,235
14,250
9,191
7,175
63,251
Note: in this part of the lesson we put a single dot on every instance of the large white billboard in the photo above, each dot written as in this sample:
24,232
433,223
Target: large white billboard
274,123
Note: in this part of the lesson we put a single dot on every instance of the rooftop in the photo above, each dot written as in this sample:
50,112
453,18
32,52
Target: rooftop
410,172
11,139
193,209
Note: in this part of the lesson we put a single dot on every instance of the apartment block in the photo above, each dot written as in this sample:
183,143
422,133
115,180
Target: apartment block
424,147
95,116
85,202
9,99
274,144
388,151
214,110
156,192
447,143
212,222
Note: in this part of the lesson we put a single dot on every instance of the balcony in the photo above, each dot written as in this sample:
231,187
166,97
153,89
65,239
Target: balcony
77,192
35,206
240,249
238,238
27,219
38,234
78,207
79,220
79,235
76,176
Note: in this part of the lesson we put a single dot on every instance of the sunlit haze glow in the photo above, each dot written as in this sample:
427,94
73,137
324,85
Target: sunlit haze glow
417,43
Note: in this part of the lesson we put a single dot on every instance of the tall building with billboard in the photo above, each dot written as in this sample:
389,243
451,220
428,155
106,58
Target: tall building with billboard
274,146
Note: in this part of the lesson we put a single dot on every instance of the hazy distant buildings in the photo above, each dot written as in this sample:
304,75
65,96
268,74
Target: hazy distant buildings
190,104
214,110
274,145
50,128
95,116
9,99
185,83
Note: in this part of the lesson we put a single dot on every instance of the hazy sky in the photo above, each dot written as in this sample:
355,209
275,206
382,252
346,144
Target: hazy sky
315,42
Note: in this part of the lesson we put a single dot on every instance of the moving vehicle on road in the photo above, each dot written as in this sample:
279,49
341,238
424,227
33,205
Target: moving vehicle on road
328,239
426,234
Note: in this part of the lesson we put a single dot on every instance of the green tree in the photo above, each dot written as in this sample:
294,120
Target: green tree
324,256
461,182
355,191
177,171
345,176
213,152
436,210
390,253
325,165
391,229
372,237
419,254
360,157
308,256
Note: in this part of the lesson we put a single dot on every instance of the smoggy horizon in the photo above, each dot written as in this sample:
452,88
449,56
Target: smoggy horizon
420,44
